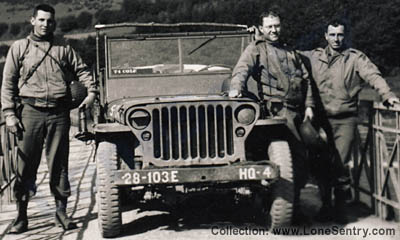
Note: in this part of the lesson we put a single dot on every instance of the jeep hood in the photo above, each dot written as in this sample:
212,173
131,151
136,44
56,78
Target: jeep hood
166,85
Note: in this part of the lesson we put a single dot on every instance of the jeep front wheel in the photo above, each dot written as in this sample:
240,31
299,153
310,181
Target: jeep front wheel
282,192
108,203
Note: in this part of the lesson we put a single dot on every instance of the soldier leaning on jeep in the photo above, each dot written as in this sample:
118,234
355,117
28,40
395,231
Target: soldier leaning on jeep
282,76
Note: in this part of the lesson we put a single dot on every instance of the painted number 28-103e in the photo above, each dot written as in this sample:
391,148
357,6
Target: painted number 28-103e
151,177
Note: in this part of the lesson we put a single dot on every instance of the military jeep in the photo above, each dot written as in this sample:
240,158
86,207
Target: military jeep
164,122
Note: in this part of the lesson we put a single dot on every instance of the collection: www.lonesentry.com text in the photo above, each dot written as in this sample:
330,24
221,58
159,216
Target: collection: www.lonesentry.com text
303,231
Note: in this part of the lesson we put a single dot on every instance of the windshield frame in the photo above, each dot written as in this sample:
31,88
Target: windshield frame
179,37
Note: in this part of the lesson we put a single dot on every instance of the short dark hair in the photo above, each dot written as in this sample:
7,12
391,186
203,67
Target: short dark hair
335,23
272,12
43,7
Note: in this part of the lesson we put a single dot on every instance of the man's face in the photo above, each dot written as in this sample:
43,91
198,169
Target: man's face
335,37
271,28
43,24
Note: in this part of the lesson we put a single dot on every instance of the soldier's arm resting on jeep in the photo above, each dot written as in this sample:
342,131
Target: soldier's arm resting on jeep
243,69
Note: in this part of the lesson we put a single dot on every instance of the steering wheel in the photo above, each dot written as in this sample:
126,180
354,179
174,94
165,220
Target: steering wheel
215,65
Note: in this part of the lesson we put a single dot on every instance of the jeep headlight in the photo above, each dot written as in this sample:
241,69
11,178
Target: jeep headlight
245,114
139,119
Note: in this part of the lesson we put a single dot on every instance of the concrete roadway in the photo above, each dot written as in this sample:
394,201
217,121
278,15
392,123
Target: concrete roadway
215,221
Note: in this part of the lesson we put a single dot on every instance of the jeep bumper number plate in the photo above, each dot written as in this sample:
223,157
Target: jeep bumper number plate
192,175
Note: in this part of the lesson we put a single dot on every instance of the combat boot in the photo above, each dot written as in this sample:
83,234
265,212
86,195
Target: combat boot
61,218
20,224
325,213
341,196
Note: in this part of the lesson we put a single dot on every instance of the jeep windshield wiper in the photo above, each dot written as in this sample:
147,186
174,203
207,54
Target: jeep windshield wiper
202,44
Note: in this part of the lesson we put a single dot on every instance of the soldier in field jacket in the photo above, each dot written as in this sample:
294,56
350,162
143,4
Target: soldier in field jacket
282,78
338,72
34,105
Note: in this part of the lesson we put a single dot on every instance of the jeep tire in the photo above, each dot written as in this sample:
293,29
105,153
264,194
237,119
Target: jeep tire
283,191
108,202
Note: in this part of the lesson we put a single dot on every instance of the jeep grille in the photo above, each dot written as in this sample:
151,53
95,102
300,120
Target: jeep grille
190,132
186,133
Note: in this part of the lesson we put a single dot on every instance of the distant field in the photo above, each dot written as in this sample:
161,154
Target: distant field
17,13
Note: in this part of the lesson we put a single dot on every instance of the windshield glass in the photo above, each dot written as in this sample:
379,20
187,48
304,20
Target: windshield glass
174,56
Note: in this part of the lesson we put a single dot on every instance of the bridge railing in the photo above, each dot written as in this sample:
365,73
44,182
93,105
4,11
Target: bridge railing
376,158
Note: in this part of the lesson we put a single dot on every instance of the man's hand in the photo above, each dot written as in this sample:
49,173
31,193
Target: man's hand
89,100
235,93
13,124
309,113
257,34
391,101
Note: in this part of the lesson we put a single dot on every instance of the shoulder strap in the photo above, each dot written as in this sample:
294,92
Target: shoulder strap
257,77
22,56
35,66
62,68
297,59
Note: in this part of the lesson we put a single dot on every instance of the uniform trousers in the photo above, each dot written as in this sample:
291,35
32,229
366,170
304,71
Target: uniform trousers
343,137
297,148
46,128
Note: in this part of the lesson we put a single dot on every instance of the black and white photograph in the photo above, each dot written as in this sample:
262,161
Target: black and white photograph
199,119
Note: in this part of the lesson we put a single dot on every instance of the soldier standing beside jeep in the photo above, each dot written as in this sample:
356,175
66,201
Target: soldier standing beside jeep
338,71
282,77
35,76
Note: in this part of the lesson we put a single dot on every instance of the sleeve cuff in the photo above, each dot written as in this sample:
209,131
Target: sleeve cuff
8,112
388,95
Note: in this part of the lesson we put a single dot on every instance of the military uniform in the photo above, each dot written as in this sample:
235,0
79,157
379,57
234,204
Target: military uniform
282,76
43,113
338,77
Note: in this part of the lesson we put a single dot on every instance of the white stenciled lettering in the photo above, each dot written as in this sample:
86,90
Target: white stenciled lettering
164,177
127,71
127,178
174,177
242,173
135,178
251,172
151,177
156,177
267,172
247,173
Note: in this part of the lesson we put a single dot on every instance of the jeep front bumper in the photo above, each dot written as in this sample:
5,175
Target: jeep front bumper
217,174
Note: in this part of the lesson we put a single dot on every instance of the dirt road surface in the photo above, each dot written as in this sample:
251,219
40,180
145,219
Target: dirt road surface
212,217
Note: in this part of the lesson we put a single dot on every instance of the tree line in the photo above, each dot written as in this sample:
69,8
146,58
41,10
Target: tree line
373,25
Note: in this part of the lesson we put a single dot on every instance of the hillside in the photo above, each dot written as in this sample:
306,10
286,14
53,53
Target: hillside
372,25
72,15
16,11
